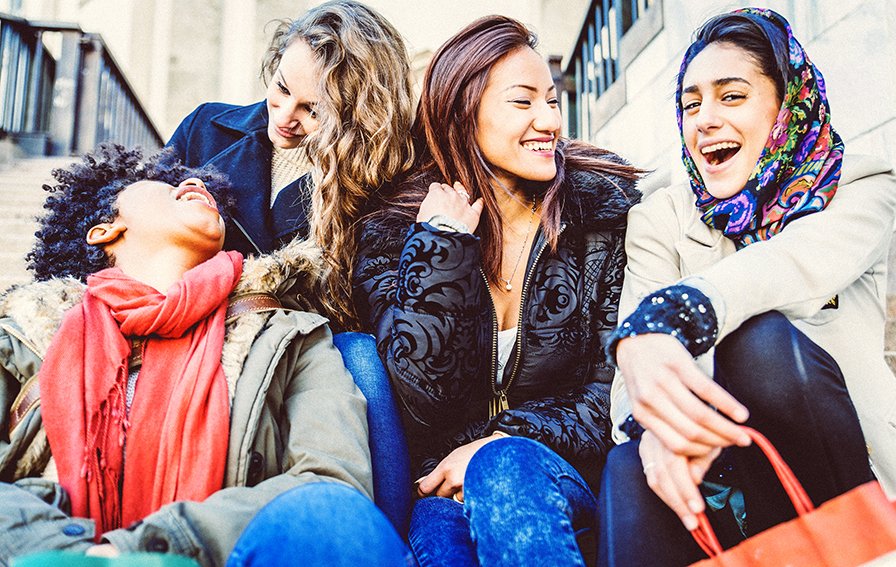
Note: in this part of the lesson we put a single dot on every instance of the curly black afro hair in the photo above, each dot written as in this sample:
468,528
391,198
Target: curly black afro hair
85,195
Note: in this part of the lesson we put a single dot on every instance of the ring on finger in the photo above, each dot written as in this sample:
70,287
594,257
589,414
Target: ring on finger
463,194
456,497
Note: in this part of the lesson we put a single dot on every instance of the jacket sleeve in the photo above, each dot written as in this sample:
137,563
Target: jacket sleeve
652,263
813,259
325,439
422,301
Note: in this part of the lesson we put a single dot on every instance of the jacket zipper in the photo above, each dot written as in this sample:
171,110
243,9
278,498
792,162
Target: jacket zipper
499,403
493,408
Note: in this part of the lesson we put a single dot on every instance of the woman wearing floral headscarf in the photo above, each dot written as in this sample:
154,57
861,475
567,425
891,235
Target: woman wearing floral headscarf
754,294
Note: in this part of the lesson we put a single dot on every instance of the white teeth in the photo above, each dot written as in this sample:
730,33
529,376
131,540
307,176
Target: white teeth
538,146
719,146
192,196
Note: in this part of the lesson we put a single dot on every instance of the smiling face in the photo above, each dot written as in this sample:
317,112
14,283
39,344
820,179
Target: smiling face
518,121
155,214
728,110
292,97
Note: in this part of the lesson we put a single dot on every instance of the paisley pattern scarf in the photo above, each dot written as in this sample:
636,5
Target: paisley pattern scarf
799,169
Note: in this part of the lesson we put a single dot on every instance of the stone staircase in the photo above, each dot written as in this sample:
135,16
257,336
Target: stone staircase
21,197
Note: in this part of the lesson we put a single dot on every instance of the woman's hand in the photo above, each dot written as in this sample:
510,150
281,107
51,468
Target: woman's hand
447,479
674,478
453,202
671,397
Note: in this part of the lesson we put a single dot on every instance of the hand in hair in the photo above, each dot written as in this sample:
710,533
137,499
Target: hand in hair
452,202
674,399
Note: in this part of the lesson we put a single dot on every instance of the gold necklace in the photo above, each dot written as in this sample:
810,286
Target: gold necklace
507,284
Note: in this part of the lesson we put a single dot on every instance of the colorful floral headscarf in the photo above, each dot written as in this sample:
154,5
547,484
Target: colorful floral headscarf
798,171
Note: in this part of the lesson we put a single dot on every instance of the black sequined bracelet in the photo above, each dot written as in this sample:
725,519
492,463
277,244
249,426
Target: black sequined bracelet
632,428
679,310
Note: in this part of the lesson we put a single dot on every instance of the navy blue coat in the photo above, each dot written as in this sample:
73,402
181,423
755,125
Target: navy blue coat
234,139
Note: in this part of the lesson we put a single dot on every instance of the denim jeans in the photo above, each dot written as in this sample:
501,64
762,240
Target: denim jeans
523,505
797,398
388,447
320,524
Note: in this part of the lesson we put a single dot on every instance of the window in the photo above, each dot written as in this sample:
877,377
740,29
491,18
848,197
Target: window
599,57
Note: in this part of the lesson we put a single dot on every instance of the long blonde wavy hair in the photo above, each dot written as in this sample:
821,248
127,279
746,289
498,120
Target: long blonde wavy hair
363,140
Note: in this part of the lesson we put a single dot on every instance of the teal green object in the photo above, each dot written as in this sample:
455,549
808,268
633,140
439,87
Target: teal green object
70,559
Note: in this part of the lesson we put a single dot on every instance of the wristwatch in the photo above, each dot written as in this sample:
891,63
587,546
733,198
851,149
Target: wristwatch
444,222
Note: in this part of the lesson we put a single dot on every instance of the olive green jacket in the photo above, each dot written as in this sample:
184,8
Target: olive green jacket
296,417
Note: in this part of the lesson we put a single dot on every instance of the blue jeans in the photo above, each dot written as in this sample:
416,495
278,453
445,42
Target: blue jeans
320,524
388,447
797,398
523,505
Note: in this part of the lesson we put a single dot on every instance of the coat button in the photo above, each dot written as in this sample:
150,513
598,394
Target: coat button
256,466
157,545
73,530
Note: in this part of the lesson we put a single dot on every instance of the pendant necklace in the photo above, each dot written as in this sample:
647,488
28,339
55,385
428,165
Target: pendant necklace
507,284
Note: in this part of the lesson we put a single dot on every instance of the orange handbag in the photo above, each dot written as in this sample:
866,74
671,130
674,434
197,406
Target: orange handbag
854,528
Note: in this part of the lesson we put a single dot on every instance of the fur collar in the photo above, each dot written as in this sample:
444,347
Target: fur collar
290,273
592,200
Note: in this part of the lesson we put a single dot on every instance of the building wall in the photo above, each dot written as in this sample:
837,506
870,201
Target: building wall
179,53
852,43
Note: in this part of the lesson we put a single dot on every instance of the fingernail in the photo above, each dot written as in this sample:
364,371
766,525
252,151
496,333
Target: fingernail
744,441
696,506
741,415
690,523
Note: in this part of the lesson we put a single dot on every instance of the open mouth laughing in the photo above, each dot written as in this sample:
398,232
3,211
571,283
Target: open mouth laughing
196,193
720,152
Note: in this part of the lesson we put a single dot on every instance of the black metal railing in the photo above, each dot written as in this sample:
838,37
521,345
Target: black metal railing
594,64
67,101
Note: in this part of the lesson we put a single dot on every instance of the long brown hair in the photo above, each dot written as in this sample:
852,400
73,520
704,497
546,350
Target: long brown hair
363,140
446,129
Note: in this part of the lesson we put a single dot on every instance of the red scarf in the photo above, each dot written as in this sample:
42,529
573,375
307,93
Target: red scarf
177,429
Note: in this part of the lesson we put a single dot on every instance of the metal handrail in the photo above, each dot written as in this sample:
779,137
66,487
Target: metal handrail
71,102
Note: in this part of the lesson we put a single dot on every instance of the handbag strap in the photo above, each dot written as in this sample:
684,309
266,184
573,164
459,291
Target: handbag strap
705,536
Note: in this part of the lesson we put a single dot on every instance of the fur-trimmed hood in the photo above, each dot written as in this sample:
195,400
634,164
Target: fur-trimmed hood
591,200
291,274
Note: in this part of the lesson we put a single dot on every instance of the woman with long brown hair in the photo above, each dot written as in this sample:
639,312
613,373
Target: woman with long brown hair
334,126
491,277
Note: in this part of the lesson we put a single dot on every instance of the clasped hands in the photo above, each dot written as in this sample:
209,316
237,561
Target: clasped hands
673,400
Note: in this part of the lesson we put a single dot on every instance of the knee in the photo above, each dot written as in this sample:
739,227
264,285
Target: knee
504,465
510,455
760,335
314,521
768,363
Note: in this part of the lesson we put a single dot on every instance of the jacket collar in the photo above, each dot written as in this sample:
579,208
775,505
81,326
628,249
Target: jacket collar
597,199
244,119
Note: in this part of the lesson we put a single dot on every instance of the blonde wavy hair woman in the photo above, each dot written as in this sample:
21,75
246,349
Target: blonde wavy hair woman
333,128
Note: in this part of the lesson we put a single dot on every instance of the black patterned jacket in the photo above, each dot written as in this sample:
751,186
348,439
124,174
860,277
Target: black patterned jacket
423,294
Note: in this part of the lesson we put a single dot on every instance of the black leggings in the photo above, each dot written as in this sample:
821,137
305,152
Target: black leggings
797,398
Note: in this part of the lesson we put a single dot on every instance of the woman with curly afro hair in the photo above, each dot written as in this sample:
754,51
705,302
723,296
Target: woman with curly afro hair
158,397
